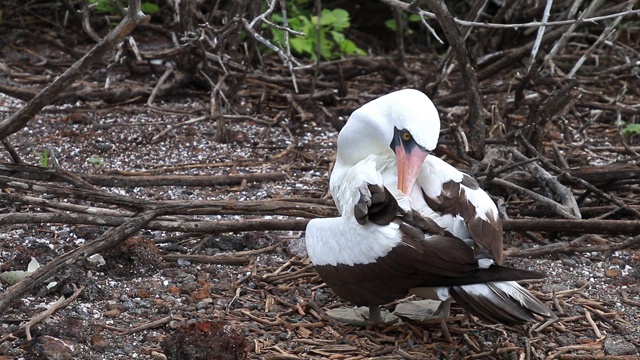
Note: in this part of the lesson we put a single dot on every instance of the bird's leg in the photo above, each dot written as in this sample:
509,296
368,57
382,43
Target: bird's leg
443,311
374,314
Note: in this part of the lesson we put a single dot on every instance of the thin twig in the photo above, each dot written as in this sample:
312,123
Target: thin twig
149,325
59,304
41,316
540,35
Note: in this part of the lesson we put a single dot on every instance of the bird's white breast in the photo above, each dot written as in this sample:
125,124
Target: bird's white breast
343,241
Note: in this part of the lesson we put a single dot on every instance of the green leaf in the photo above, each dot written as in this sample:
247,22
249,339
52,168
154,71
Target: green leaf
105,6
414,18
96,160
341,19
301,45
349,47
337,36
327,18
305,24
391,24
631,129
277,18
149,8
296,23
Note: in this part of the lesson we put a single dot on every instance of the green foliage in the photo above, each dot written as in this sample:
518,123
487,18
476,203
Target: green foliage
333,42
43,157
109,6
391,23
96,160
149,8
631,129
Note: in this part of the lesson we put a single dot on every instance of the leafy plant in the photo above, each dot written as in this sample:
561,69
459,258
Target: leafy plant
43,157
631,129
332,40
96,160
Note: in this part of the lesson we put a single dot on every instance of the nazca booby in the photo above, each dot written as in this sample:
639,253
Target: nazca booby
411,223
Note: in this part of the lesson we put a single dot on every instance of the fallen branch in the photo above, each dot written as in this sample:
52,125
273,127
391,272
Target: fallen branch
29,172
149,325
574,246
284,207
209,227
41,316
588,226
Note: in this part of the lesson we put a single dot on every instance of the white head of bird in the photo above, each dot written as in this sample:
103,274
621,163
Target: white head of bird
404,122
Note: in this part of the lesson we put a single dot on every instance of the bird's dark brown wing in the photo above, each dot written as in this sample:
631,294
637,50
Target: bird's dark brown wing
428,256
486,232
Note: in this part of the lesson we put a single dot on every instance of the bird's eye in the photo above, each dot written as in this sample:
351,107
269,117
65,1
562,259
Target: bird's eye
406,136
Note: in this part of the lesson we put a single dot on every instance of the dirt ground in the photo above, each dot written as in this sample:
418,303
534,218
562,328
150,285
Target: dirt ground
145,301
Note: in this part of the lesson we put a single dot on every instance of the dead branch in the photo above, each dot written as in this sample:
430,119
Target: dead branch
605,174
150,325
161,225
514,55
609,29
20,119
588,226
41,316
285,207
539,36
574,246
541,115
29,172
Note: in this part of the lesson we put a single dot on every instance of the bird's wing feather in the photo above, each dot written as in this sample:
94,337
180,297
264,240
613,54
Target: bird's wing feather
448,191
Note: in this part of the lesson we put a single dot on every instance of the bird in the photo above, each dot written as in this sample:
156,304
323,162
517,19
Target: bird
410,223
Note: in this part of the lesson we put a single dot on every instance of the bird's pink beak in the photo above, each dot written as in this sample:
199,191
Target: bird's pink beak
408,167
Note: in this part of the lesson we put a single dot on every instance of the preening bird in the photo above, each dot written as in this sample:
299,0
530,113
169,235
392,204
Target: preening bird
411,223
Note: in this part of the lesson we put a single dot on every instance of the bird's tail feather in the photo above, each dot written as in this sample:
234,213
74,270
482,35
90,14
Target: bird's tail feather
503,302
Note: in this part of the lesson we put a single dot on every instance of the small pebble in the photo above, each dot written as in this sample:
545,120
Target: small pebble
613,272
618,346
